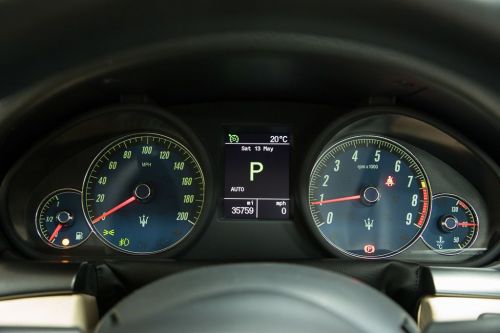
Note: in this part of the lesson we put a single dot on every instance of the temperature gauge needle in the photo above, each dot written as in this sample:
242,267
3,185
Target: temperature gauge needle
54,234
354,197
114,209
467,224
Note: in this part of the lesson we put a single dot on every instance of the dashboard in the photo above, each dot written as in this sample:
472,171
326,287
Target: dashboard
183,160
253,181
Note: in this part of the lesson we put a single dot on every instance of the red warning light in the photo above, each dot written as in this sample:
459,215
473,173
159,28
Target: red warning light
390,181
369,248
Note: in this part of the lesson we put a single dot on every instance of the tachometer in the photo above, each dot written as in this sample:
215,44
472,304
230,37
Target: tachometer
143,193
369,197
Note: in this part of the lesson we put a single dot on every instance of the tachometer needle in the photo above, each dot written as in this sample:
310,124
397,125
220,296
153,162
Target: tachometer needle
56,231
354,197
114,209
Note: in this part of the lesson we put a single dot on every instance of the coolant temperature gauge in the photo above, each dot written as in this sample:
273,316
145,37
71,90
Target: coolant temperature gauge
453,225
60,221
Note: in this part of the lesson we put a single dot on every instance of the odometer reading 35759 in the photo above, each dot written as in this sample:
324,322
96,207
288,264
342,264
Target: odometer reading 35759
143,193
369,196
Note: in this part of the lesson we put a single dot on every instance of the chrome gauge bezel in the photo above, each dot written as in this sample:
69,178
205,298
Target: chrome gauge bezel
37,215
113,144
331,144
476,232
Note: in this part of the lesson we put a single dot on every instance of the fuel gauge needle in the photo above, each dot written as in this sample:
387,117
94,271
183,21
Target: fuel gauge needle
114,209
54,234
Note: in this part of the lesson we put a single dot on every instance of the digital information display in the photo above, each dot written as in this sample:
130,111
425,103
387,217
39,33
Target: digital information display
257,176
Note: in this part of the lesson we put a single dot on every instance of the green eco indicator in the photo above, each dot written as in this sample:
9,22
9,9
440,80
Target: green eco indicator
233,138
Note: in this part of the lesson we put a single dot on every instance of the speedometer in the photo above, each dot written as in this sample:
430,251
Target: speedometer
143,193
369,197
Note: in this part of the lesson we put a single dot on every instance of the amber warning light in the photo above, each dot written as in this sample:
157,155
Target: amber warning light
390,181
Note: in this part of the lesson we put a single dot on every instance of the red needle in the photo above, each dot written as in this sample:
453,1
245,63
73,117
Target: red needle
466,224
354,197
56,231
114,209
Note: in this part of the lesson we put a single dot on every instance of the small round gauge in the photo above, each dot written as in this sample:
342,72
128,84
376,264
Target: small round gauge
60,221
143,193
369,197
453,225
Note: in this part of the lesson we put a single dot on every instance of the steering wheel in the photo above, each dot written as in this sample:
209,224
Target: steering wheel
257,298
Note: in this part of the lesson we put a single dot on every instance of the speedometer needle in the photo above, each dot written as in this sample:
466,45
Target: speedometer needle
114,209
56,231
354,197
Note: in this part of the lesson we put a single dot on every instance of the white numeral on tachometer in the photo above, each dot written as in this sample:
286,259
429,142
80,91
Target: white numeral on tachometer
321,198
414,200
326,178
355,156
337,166
329,218
409,218
410,179
397,165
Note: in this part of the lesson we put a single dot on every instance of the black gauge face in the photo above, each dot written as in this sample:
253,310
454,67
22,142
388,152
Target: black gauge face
453,225
369,197
60,221
144,193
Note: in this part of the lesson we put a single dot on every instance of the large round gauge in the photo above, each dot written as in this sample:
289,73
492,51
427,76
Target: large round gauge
143,193
368,196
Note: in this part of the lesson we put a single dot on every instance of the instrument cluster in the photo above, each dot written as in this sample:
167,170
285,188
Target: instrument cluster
140,180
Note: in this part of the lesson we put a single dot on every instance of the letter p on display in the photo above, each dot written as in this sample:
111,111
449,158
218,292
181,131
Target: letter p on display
255,168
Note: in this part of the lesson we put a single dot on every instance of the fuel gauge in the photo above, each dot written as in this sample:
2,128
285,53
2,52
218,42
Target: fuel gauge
60,221
453,225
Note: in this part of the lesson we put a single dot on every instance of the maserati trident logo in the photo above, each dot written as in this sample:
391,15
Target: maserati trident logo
369,223
143,220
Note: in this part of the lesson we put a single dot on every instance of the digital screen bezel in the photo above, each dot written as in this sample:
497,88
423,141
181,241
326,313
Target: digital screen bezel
257,130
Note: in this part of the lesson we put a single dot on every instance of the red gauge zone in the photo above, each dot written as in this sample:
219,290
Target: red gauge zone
369,197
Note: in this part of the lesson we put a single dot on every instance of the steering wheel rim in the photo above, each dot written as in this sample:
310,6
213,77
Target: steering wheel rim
257,297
